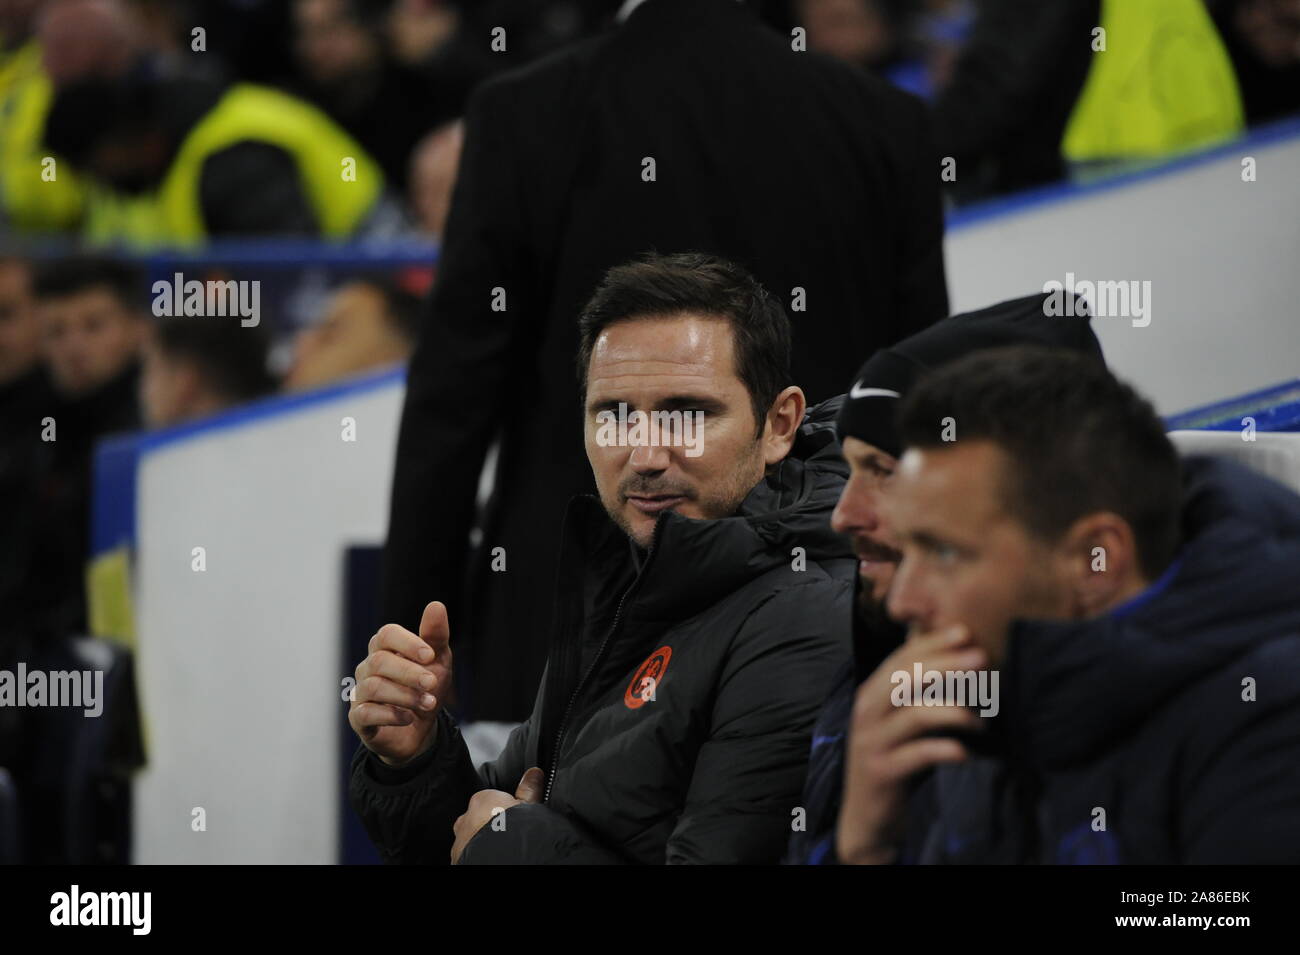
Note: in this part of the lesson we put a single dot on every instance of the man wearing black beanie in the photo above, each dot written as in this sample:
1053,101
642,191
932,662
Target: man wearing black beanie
869,435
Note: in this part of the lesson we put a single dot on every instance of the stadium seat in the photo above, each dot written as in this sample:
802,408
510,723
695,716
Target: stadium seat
1275,454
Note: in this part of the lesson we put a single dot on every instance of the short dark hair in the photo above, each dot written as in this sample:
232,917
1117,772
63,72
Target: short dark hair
231,358
657,285
1079,440
67,277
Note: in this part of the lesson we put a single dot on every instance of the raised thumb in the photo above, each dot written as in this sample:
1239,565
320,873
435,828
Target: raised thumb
531,786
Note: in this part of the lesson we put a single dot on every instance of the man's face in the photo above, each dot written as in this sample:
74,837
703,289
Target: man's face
331,46
20,332
89,338
680,363
858,515
850,30
965,559
86,39
355,335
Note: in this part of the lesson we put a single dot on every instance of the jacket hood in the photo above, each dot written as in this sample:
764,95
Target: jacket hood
1071,688
691,562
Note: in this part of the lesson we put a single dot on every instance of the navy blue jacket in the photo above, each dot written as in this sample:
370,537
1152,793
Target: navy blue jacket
872,642
1167,731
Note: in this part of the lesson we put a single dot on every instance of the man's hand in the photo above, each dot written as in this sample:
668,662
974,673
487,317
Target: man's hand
888,744
486,803
400,687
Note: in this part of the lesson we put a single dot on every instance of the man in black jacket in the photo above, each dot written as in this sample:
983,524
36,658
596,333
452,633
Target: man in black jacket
1136,617
690,126
92,328
698,615
869,436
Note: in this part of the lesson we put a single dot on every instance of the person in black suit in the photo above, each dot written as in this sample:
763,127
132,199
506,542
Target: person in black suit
691,126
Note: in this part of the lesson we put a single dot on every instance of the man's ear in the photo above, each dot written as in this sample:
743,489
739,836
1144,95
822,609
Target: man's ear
1102,562
783,420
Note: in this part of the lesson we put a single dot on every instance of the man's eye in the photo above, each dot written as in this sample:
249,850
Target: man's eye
944,553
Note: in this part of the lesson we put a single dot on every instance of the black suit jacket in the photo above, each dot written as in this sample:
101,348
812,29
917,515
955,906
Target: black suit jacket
807,171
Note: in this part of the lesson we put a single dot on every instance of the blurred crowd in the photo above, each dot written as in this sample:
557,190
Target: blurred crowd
132,126
82,359
79,353
168,122
141,124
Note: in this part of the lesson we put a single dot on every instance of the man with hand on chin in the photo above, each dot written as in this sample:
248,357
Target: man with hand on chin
872,446
697,622
1140,608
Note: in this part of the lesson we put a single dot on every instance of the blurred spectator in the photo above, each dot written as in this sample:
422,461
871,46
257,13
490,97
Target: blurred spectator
20,333
1027,94
417,29
197,366
450,41
180,156
1263,39
866,33
346,70
253,38
30,200
91,328
1013,88
433,177
368,324
25,398
91,334
1165,86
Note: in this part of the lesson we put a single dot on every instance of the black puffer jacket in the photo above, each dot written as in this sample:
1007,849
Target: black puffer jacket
741,622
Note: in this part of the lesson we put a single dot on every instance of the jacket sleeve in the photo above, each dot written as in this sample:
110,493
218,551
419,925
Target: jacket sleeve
409,812
465,355
745,793
535,834
814,844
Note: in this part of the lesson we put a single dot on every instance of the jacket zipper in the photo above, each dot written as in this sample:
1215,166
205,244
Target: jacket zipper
595,662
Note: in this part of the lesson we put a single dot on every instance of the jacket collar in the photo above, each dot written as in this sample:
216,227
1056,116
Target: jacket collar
693,563
1071,688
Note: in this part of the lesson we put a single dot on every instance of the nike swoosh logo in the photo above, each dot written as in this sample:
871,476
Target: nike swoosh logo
857,391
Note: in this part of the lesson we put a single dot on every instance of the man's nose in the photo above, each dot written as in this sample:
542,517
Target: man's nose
648,458
855,512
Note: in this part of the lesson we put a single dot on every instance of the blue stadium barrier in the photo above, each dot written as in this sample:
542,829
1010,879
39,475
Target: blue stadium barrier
1276,408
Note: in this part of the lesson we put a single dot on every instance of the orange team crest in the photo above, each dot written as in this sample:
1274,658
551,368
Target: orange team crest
647,678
